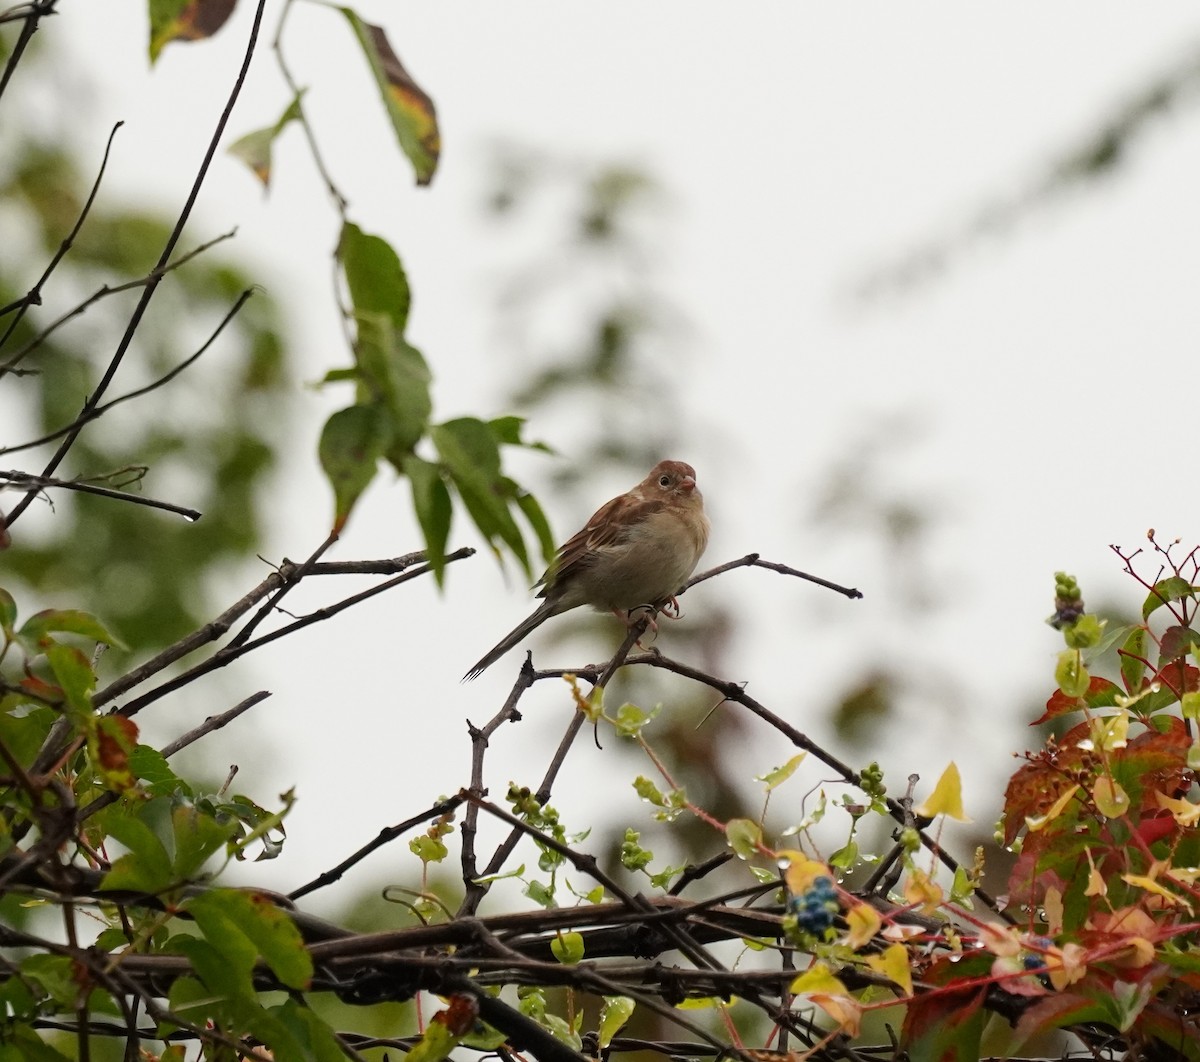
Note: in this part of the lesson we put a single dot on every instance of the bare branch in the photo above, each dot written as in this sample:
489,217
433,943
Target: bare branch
752,560
29,482
214,722
385,836
103,292
228,655
33,297
99,411
31,13
148,291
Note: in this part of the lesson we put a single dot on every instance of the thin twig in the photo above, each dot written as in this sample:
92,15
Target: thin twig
100,410
753,560
226,656
214,722
148,291
218,627
31,13
473,891
104,291
385,836
28,482
255,621
474,895
33,297
340,202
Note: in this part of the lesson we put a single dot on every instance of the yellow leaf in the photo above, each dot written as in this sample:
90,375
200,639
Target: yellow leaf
1111,800
1096,885
1183,811
946,798
1036,823
1111,732
1052,904
999,939
818,978
894,965
842,1009
1148,884
781,774
921,890
800,872
1067,966
864,922
1138,952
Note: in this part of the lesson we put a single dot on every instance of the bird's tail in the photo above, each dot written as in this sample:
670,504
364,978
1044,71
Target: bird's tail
517,634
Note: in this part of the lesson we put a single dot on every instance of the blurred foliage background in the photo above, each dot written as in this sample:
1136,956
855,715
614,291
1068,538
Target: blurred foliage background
209,440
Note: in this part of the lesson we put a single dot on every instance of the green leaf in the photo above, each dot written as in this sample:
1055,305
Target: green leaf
224,962
314,1036
1086,632
224,915
390,371
507,431
151,767
1164,592
393,376
471,456
191,1000
8,613
744,836
197,837
632,720
532,511
1070,674
617,1010
662,879
54,974
540,894
24,727
1133,664
779,775
254,149
568,948
262,825
73,672
411,111
351,444
431,500
24,1045
428,849
648,791
374,276
633,855
147,866
35,631
845,857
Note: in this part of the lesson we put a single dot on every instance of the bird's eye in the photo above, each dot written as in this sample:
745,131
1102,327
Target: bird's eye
664,481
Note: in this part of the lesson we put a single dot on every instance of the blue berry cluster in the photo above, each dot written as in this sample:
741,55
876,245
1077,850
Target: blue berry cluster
1035,961
816,908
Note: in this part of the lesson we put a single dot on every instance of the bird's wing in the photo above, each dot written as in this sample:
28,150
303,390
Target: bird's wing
608,528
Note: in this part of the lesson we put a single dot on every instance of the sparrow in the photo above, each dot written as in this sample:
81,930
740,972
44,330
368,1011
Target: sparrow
636,550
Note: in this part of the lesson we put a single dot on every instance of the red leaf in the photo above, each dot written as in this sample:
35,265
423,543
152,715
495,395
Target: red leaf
1100,694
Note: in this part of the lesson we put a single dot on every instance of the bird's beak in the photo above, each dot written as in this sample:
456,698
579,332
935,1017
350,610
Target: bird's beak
687,484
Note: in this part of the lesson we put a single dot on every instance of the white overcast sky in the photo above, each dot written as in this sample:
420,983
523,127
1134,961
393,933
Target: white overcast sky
1049,374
